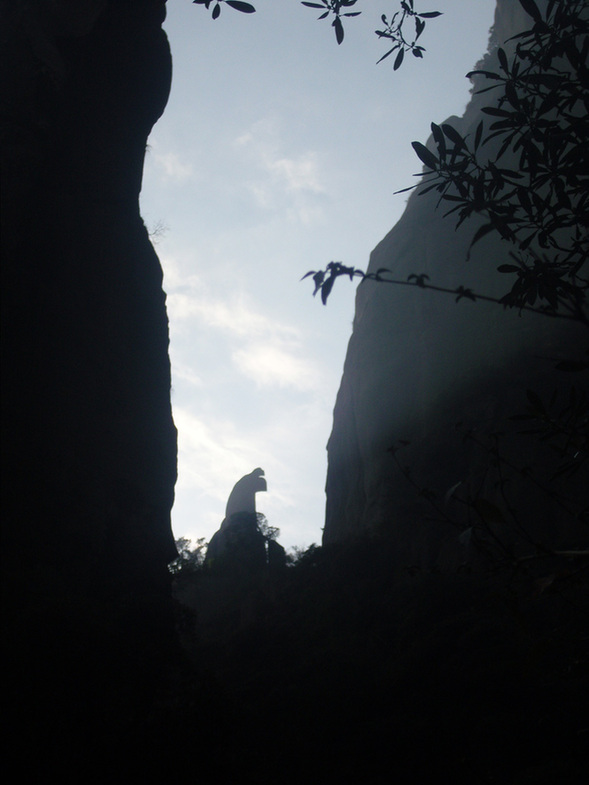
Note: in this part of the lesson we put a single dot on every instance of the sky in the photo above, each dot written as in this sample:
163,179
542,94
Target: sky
278,152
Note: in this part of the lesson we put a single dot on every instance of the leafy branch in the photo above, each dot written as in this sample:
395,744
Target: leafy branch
540,203
325,279
335,8
237,5
392,30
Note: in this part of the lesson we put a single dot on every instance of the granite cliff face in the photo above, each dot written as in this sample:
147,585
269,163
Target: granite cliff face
89,445
419,363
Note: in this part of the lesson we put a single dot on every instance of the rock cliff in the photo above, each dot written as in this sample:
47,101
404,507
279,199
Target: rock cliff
89,445
419,363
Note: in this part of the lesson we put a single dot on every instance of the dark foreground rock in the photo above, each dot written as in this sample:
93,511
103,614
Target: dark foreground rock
88,442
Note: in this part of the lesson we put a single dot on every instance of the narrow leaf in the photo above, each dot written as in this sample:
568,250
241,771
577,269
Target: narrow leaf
326,289
245,8
480,232
386,55
531,8
428,158
478,135
502,59
452,134
339,29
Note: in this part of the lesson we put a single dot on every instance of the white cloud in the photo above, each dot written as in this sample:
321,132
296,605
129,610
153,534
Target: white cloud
271,364
185,372
168,164
281,177
263,349
298,174
233,316
210,453
213,456
173,167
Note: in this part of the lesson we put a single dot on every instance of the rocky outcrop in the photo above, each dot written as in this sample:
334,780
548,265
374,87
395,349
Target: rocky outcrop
241,574
89,445
419,363
239,546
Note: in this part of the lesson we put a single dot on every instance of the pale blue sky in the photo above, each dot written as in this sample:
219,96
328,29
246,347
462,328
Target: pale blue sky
278,152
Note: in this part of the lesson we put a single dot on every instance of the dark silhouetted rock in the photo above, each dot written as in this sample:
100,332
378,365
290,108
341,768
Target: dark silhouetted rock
276,555
243,568
239,544
243,496
89,445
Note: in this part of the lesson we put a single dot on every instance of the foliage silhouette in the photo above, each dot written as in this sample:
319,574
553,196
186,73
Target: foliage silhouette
542,208
373,661
392,31
189,559
237,5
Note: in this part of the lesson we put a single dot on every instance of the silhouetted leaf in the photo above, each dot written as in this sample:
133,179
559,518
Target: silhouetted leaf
318,279
419,279
399,59
512,96
532,9
339,29
245,8
488,74
216,11
326,289
495,112
478,135
468,293
430,14
439,139
502,59
387,54
427,157
481,232
453,134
